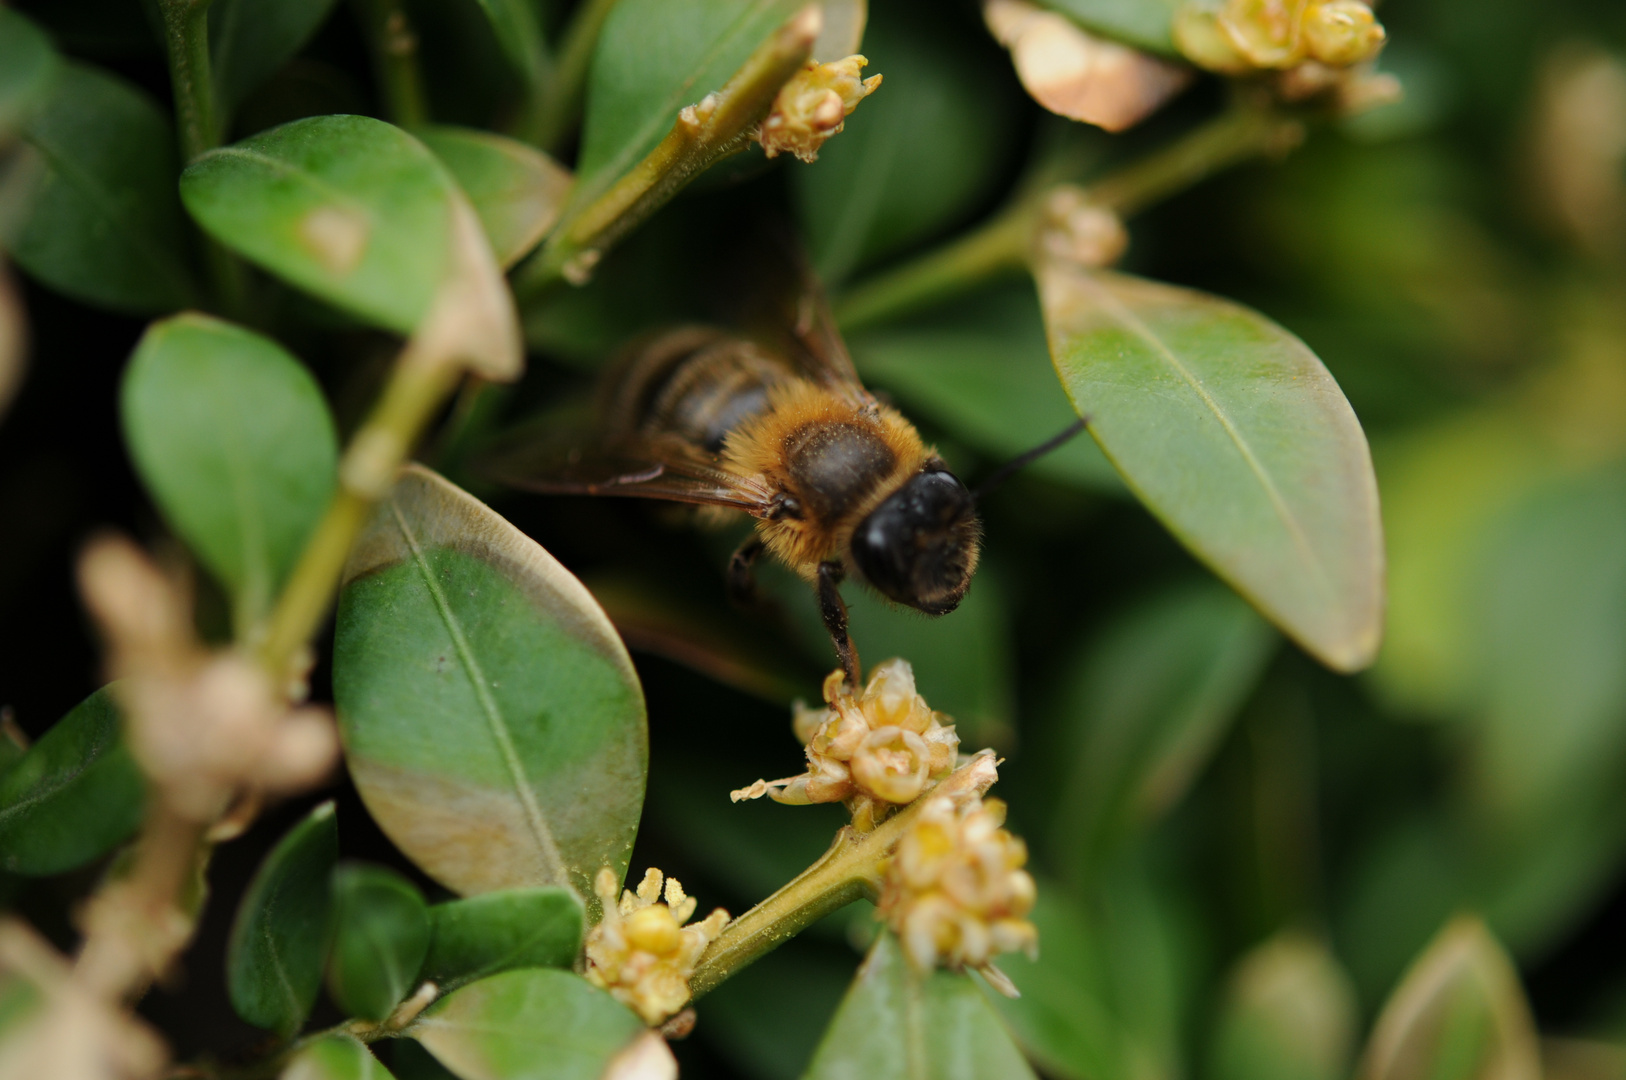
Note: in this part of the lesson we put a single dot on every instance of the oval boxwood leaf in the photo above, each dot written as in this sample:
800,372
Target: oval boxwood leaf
515,928
279,939
380,936
27,65
1289,1014
335,1057
74,796
533,1024
351,209
250,39
1458,1012
1147,24
1153,697
895,1022
491,718
233,439
653,58
92,209
921,153
981,369
517,190
1235,436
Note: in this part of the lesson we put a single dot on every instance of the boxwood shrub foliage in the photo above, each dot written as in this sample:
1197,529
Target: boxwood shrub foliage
369,751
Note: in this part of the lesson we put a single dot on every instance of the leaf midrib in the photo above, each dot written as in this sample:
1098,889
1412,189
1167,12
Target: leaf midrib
495,721
1130,321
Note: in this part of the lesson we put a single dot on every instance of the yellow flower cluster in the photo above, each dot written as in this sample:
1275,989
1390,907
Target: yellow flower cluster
955,892
875,751
1234,37
813,106
641,951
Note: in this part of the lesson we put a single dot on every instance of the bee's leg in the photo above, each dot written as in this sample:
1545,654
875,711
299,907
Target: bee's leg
742,572
834,610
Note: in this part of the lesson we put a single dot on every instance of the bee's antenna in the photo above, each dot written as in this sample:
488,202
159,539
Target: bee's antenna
1007,470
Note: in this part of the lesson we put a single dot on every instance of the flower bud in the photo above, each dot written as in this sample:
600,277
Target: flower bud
641,951
1342,32
955,892
813,106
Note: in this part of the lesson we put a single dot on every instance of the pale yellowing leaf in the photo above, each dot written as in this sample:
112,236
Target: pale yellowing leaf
1076,74
1459,1011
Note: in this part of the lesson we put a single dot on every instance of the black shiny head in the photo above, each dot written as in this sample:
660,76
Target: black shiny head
919,546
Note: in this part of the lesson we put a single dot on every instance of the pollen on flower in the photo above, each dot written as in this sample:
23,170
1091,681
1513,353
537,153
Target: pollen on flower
955,892
813,106
874,751
641,951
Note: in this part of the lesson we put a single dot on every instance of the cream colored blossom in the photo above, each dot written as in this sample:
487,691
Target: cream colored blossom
641,951
1235,37
814,105
875,751
955,892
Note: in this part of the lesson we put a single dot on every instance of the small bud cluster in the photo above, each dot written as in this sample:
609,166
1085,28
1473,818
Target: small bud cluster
813,106
875,751
1312,43
641,951
955,892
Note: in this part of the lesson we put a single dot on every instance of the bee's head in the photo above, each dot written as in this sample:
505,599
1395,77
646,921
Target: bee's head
919,546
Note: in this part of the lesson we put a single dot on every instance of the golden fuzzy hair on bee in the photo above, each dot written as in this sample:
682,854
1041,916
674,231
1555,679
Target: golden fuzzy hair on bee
796,410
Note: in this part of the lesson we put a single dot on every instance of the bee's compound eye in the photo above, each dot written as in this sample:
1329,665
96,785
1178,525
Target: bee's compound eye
919,546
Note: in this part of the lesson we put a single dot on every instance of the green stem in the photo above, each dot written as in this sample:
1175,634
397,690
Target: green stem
1005,243
186,37
414,393
186,40
560,109
703,133
394,46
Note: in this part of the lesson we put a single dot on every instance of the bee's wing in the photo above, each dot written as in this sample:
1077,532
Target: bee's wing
646,468
782,303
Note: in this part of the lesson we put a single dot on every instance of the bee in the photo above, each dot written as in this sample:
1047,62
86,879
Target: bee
840,484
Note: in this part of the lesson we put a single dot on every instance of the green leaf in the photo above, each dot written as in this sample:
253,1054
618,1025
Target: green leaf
653,58
1289,1014
91,197
1064,1018
74,796
279,938
380,937
233,439
351,209
981,369
250,39
1152,699
534,1024
1144,23
897,1024
1459,1014
921,153
27,65
491,718
335,1057
519,35
515,928
767,1018
517,190
1235,436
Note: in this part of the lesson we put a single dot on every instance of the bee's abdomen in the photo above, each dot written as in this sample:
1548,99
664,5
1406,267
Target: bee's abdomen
835,465
699,385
